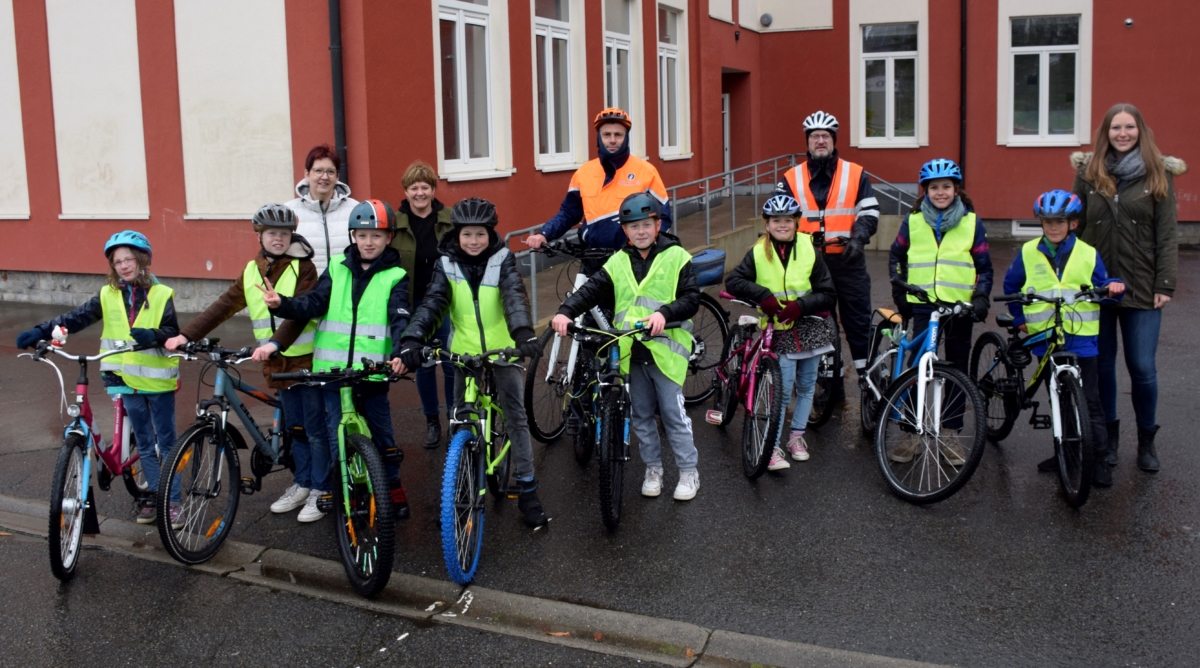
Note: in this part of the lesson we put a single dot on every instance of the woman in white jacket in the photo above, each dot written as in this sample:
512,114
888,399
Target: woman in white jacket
323,206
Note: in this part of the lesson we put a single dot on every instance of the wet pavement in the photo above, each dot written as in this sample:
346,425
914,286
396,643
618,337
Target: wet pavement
1001,574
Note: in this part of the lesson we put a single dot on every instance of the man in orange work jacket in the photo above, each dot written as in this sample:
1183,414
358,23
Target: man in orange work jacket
835,198
598,188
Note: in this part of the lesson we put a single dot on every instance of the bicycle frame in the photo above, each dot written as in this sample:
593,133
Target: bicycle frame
751,351
1049,367
480,411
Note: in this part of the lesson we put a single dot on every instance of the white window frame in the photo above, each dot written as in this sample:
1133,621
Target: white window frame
1010,9
637,89
679,52
572,30
878,12
498,105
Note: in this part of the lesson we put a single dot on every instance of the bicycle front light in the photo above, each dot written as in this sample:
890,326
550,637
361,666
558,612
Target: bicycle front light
73,410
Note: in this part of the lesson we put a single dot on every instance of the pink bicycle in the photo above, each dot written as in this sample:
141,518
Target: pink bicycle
749,375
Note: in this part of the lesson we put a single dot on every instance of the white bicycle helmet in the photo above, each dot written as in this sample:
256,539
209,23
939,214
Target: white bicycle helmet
819,120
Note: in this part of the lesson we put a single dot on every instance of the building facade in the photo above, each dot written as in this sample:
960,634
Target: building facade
181,118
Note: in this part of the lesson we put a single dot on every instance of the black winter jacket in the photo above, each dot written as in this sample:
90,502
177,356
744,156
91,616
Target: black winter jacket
742,283
428,316
821,173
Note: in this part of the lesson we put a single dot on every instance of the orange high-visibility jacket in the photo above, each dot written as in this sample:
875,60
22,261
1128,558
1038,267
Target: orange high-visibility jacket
600,201
837,218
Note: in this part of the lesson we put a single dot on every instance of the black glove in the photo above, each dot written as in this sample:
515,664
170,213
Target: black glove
410,354
981,304
854,250
903,306
529,347
30,337
144,337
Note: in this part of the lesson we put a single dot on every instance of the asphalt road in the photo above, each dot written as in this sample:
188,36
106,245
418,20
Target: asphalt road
1001,574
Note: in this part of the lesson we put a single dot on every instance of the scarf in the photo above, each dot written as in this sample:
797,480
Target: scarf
1126,168
940,220
613,161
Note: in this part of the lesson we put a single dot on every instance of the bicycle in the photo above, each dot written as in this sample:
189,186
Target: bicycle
206,460
550,383
366,524
478,460
72,510
929,436
831,366
999,369
758,391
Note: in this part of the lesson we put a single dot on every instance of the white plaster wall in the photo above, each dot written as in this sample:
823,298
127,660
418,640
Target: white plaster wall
786,14
14,187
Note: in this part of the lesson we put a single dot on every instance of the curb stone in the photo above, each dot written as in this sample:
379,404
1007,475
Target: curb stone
726,648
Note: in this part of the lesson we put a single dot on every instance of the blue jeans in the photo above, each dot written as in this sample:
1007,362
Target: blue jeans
376,410
152,417
427,376
1139,336
801,374
304,406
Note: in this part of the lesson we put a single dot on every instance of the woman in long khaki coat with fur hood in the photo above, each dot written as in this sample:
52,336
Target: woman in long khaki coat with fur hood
1129,217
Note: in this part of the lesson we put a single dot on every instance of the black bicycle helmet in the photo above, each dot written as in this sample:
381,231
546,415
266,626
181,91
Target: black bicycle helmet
474,211
638,206
274,215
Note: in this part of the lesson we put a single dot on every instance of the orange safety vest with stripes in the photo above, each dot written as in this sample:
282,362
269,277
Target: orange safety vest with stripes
837,218
602,202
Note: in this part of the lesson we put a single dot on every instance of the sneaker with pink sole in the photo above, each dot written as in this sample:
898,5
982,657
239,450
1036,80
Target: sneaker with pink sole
798,447
778,461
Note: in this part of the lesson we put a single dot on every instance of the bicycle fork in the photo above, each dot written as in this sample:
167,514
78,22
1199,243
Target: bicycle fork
924,377
1055,414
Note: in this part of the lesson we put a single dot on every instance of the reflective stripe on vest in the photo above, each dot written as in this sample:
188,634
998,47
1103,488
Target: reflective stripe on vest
786,285
1081,318
840,209
351,331
478,319
145,370
945,270
260,316
634,301
603,201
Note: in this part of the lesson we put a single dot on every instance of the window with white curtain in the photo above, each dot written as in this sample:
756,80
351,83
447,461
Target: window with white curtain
670,81
889,81
465,63
618,45
1045,75
552,73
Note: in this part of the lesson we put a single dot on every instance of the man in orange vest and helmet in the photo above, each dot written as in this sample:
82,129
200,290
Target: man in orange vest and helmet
835,199
598,188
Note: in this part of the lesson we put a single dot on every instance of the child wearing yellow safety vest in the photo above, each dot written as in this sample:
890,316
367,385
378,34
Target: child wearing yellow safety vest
649,280
476,285
785,275
1060,263
138,310
284,260
361,301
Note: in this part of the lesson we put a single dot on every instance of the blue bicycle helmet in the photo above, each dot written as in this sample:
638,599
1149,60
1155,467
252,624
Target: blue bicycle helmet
1057,204
940,168
780,205
131,238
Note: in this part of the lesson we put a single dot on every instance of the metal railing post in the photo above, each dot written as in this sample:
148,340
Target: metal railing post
533,284
707,214
732,203
755,186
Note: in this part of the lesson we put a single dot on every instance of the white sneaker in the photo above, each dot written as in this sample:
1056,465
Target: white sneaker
310,512
652,485
292,498
689,484
778,461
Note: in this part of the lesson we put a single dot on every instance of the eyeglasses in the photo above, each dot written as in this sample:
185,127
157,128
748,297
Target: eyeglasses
120,263
821,135
324,172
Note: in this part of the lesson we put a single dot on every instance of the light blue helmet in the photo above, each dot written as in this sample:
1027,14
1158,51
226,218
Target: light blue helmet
780,205
1057,204
131,238
940,168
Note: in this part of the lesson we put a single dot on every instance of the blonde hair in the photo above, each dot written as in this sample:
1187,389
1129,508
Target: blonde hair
143,277
420,172
1097,173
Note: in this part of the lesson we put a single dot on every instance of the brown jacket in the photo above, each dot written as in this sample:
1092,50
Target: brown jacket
234,300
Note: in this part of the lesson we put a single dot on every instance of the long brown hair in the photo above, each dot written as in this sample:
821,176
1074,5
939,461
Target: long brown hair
143,277
1096,172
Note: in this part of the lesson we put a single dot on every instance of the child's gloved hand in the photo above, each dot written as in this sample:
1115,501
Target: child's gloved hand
981,304
410,354
143,336
791,312
770,306
529,347
29,338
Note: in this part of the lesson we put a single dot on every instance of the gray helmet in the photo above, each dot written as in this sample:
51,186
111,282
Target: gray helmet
639,206
274,215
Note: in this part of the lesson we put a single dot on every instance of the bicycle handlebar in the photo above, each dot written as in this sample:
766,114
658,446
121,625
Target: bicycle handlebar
956,308
43,348
639,328
370,368
191,349
576,249
499,356
1085,294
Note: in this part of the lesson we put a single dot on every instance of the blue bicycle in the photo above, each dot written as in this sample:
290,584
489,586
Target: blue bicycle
928,417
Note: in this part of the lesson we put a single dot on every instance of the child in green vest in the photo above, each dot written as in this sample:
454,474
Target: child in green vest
364,291
476,284
651,268
788,279
285,260
1061,261
138,310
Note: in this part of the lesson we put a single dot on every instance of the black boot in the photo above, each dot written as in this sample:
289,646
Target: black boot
1147,457
1114,433
1049,465
399,500
433,431
531,507
1103,476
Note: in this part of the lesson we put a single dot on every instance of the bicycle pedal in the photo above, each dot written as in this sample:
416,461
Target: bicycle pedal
325,503
251,485
1040,421
714,417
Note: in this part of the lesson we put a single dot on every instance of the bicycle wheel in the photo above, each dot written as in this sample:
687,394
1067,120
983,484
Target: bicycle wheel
585,441
829,380
67,500
366,528
133,475
462,509
612,457
725,396
206,474
930,459
881,376
998,384
546,396
1075,455
760,429
710,328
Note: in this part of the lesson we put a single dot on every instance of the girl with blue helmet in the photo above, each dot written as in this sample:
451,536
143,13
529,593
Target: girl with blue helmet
138,310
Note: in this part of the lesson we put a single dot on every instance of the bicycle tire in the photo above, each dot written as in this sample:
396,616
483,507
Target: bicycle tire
196,457
1076,457
710,328
367,536
725,398
760,429
922,479
999,406
584,442
67,501
133,476
829,372
547,401
611,455
462,510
